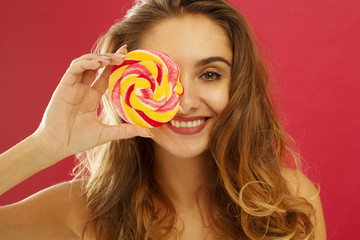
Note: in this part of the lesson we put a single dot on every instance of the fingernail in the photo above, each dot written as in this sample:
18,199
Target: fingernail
123,49
104,56
147,135
119,55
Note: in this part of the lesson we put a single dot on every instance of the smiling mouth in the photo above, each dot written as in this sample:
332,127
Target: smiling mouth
187,124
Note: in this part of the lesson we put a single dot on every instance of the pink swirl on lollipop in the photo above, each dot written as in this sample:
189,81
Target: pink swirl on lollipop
145,89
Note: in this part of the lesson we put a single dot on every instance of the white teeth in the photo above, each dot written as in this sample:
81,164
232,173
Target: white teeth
187,124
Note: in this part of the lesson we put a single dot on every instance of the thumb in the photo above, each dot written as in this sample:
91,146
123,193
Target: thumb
125,131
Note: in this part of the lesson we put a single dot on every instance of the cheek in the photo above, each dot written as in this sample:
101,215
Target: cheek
217,98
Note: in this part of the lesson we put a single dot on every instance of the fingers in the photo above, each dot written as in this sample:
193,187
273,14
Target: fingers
111,59
84,68
124,131
101,82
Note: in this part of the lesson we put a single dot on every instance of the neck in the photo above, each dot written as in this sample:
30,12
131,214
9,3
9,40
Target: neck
183,179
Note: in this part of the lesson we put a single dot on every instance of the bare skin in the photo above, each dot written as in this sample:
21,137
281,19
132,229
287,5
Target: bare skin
59,212
180,160
69,125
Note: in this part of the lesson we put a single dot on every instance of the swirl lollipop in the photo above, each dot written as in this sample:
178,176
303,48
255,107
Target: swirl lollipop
145,89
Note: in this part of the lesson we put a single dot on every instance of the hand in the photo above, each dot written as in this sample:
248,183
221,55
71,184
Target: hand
70,124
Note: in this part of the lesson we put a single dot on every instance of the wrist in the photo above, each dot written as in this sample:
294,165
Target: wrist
46,152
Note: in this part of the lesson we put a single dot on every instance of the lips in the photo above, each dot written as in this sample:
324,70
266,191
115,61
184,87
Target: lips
187,125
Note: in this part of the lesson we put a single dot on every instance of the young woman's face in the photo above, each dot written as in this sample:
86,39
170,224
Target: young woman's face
203,52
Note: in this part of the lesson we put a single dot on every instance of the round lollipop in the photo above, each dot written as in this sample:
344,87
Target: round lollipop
145,89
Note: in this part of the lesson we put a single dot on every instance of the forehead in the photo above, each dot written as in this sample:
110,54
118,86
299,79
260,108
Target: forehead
188,38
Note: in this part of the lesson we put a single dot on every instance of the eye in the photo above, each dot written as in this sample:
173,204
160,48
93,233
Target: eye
210,76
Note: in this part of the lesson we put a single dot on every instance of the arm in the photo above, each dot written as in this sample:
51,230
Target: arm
301,186
22,161
69,125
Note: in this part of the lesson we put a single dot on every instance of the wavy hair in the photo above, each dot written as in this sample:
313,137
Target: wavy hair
248,149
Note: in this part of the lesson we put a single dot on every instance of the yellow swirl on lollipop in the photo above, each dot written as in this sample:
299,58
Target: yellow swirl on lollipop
145,89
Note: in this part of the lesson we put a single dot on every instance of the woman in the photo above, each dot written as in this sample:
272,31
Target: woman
223,178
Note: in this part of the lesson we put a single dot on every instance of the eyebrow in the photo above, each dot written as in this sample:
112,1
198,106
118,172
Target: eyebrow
212,59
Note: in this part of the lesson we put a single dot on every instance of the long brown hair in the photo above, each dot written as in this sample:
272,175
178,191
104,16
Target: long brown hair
248,148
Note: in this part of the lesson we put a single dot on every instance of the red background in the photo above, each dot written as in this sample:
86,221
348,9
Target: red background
313,47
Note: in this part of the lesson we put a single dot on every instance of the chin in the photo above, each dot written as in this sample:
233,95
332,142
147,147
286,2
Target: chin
181,145
181,148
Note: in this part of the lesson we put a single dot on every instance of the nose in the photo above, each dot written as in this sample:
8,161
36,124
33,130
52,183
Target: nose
189,100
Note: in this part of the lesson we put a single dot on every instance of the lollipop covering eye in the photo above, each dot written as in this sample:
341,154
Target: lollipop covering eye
145,89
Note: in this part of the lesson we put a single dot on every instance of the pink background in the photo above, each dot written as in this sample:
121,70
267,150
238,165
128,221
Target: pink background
313,47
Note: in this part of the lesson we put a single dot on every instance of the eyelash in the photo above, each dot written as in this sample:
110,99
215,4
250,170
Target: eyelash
216,75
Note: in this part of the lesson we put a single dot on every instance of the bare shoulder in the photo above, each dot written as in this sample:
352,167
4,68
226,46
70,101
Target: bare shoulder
56,211
300,185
